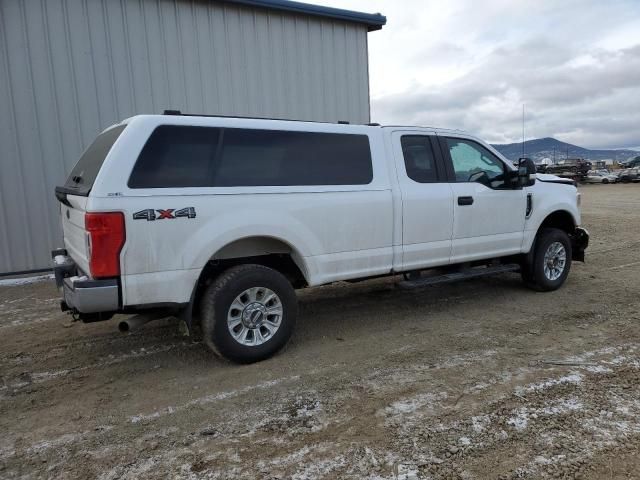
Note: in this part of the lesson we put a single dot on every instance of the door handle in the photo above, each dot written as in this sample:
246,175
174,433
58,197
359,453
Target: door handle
465,200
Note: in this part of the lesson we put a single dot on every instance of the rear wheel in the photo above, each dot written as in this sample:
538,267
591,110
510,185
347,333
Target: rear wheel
605,181
551,261
248,313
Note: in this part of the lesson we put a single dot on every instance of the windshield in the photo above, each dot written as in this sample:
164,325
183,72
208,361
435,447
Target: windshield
83,175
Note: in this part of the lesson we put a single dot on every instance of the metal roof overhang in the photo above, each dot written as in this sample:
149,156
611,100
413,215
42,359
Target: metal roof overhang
373,21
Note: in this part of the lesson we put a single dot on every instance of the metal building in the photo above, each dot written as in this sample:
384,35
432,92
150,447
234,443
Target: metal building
70,68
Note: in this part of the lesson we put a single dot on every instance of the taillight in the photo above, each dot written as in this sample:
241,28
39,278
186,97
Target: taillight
106,239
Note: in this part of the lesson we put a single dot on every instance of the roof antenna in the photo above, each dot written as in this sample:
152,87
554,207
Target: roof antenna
523,130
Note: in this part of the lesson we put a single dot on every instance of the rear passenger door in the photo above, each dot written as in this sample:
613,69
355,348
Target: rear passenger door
427,200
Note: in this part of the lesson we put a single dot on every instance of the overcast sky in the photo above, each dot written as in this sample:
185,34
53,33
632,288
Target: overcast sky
472,64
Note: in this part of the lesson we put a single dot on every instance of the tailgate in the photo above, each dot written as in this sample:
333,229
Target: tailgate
75,236
73,195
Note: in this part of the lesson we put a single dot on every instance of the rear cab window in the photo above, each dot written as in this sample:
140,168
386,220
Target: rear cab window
419,159
81,178
186,156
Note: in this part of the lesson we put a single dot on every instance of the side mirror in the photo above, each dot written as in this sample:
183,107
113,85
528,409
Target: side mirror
526,172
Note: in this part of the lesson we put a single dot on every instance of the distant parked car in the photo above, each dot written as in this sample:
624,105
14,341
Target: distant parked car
600,176
629,175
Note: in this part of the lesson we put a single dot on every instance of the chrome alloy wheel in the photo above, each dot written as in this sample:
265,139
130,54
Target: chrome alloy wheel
254,316
555,260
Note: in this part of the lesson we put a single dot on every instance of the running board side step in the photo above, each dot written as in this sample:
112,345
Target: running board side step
461,275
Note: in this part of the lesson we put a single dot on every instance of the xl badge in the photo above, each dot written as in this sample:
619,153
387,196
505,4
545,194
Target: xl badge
171,213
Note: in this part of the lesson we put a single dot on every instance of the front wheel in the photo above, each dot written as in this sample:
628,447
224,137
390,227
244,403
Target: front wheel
248,313
551,261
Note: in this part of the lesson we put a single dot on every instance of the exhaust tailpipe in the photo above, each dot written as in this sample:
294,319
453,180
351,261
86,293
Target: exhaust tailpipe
133,323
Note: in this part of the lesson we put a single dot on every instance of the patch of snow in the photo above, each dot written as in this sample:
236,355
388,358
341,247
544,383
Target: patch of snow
307,410
320,468
624,360
461,360
62,440
66,439
540,460
7,452
142,468
574,378
610,350
606,430
623,409
290,459
407,471
620,359
305,459
411,404
522,415
478,387
563,406
210,399
521,419
598,369
16,282
480,423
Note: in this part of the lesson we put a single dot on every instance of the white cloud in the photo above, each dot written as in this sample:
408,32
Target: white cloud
471,65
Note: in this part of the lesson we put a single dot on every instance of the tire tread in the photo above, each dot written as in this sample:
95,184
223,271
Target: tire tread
531,275
212,293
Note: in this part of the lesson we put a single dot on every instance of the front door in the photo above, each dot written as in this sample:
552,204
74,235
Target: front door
489,212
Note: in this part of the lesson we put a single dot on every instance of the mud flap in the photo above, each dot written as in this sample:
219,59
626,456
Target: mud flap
185,327
579,243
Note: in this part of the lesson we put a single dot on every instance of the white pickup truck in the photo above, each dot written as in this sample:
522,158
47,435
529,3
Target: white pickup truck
219,219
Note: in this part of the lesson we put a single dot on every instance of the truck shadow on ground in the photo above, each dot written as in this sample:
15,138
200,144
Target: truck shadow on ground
341,323
350,310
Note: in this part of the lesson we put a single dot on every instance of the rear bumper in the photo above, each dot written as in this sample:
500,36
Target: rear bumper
91,296
81,294
579,243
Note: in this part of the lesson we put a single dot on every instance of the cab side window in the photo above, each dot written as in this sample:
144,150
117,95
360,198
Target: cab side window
474,163
419,160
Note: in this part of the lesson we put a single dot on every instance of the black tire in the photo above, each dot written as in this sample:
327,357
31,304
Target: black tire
533,273
216,304
605,181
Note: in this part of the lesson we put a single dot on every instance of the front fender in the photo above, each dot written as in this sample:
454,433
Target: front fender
546,200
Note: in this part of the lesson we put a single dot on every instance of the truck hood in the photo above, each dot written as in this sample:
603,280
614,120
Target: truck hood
548,178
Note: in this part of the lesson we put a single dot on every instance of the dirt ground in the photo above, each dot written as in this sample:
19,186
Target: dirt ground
480,379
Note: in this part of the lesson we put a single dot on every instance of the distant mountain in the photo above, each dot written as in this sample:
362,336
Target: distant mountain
542,148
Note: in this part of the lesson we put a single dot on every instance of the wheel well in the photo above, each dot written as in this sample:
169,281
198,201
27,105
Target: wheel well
267,251
559,219
280,262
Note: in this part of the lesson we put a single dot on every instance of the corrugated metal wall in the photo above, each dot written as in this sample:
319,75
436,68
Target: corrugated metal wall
70,68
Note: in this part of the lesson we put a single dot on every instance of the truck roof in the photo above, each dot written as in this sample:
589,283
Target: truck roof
178,113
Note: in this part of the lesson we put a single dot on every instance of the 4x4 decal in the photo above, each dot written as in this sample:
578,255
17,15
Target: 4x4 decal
170,213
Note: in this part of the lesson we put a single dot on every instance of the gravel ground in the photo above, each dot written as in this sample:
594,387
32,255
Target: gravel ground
480,379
